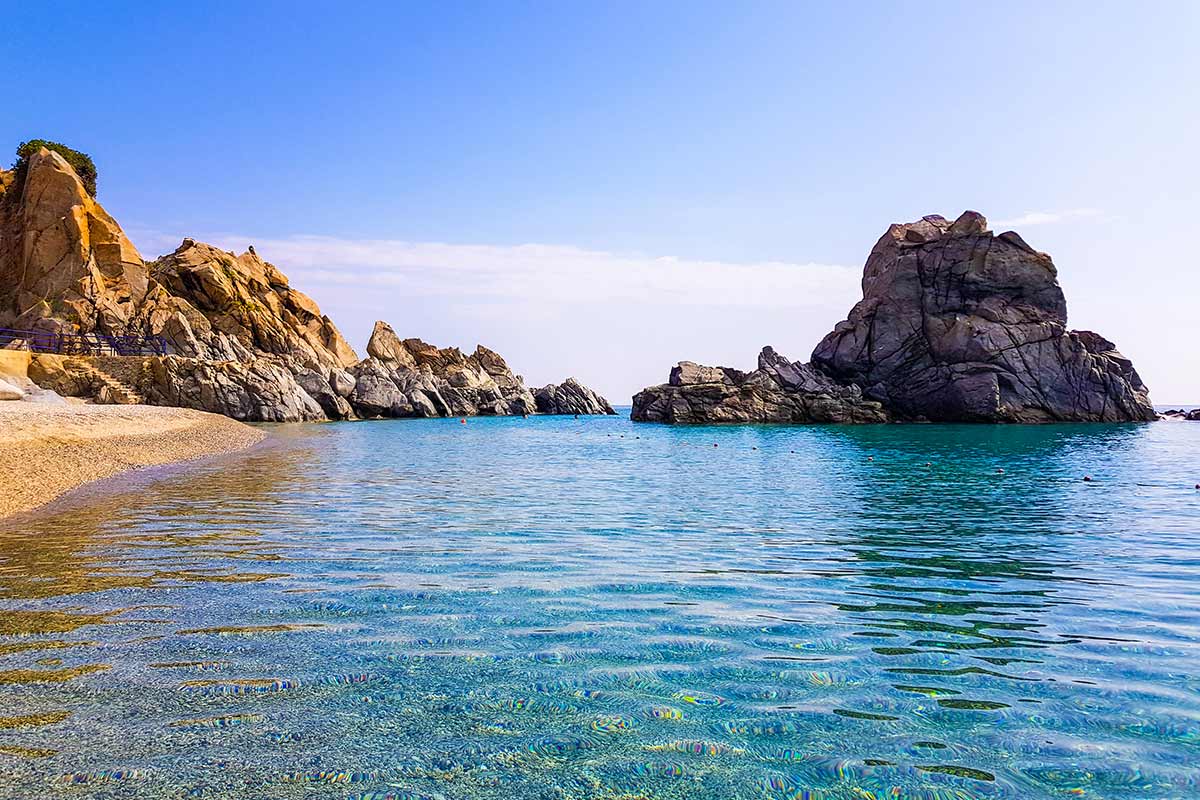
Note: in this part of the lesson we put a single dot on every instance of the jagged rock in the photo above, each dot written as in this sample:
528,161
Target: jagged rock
59,374
1192,415
65,264
570,397
243,342
386,346
322,389
956,324
778,391
221,306
261,390
412,378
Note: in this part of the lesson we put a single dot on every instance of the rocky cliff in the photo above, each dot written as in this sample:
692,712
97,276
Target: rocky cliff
959,324
241,340
956,324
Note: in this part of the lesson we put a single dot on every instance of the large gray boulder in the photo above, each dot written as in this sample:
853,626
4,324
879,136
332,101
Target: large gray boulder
958,324
778,391
570,397
262,390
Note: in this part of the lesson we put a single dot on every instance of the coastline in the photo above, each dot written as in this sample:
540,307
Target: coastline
48,450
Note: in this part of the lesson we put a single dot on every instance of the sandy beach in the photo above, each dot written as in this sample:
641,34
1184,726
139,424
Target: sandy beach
47,450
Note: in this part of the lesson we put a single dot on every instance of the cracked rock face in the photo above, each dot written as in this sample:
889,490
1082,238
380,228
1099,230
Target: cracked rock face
958,324
211,304
65,264
778,391
570,397
243,342
411,378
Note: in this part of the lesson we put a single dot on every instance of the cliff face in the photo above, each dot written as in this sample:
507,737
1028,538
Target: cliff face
212,304
242,341
959,324
956,324
65,264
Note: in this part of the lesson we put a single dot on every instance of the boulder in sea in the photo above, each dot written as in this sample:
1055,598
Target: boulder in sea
411,378
778,391
958,324
570,397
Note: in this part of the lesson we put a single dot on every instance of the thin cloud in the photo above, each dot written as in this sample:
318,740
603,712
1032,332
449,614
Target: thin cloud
542,273
1045,218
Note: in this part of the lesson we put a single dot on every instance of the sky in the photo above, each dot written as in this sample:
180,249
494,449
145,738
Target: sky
604,189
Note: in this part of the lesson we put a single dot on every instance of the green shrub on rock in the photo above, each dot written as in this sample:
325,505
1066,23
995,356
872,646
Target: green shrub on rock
82,163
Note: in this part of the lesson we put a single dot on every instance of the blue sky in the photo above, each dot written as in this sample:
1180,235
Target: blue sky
604,189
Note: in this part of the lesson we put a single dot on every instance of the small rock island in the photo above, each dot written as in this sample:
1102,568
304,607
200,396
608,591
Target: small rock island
956,324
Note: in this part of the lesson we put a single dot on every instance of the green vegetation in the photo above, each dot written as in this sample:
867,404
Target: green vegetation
81,162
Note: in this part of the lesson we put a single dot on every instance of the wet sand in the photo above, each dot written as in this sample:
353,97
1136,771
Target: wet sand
47,450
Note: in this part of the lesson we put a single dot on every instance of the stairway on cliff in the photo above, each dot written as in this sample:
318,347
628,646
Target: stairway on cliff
110,390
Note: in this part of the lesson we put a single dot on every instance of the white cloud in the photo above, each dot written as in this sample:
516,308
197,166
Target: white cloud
1044,218
617,321
542,272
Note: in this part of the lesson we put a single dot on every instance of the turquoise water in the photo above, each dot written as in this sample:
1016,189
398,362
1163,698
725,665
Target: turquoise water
559,608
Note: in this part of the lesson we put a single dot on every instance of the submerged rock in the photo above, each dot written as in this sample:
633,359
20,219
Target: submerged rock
570,397
958,324
778,391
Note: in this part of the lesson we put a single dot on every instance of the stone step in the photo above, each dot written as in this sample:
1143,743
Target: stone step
112,390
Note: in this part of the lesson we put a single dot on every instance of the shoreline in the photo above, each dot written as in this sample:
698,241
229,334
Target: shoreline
47,451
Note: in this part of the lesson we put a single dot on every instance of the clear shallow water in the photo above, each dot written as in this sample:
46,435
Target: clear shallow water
543,609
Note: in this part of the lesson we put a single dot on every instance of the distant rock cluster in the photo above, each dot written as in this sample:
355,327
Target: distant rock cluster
956,324
242,341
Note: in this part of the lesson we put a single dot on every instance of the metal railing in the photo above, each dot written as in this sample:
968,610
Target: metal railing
85,344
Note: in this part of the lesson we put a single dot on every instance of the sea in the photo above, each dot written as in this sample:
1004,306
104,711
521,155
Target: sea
591,608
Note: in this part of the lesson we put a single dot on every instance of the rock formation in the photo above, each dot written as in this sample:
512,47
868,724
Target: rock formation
778,391
410,378
241,340
956,324
570,397
959,324
65,264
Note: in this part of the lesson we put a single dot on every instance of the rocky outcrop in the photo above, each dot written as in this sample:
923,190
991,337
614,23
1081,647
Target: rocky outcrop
958,324
777,391
210,304
260,390
65,264
242,341
411,378
570,397
1180,414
